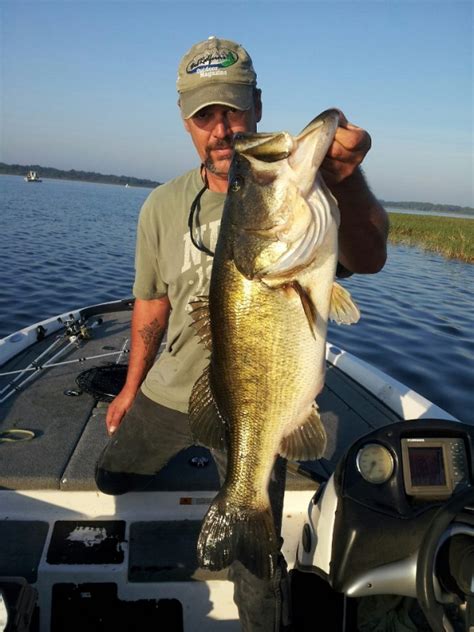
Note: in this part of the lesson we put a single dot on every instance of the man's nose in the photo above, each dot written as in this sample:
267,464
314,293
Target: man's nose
221,127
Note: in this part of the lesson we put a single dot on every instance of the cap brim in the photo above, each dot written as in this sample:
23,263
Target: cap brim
238,96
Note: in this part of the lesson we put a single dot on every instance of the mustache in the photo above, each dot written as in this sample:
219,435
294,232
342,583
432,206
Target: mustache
220,143
223,143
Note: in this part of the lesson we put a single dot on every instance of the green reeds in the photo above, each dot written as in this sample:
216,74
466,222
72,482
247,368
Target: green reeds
451,237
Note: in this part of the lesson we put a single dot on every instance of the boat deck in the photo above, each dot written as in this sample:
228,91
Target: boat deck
89,557
69,431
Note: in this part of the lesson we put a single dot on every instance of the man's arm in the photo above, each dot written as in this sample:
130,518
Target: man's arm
364,223
149,322
364,226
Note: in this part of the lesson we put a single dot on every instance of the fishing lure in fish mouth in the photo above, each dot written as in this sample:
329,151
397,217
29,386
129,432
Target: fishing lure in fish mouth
272,291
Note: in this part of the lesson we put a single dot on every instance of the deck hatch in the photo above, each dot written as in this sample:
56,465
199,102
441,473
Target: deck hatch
165,551
95,606
21,546
87,542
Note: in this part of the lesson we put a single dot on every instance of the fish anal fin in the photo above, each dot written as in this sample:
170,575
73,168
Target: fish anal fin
307,441
207,426
201,320
343,310
308,306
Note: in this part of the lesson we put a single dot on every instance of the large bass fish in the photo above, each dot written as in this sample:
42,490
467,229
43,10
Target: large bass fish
272,290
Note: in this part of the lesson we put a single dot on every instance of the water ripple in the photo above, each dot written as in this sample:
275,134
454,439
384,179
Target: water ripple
68,244
416,325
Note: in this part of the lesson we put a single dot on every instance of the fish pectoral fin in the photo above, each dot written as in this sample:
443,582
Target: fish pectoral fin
207,426
308,306
343,310
201,320
308,441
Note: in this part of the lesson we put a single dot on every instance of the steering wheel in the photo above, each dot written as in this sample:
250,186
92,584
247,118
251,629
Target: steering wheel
432,609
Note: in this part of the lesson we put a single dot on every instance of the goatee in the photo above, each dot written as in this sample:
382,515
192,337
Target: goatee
219,144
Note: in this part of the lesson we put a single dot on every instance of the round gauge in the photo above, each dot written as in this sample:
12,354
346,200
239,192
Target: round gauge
375,463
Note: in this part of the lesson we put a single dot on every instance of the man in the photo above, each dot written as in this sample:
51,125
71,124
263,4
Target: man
218,97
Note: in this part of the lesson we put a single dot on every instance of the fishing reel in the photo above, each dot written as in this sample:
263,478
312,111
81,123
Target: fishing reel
77,330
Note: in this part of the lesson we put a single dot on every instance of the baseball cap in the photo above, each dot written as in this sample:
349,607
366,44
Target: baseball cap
215,71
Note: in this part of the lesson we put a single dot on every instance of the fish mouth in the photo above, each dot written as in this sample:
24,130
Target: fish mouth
297,209
304,154
311,147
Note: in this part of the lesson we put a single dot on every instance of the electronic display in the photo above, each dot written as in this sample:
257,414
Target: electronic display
426,466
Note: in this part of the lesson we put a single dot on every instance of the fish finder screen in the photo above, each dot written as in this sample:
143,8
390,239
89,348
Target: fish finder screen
426,466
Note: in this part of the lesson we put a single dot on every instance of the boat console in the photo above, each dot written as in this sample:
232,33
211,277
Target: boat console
397,518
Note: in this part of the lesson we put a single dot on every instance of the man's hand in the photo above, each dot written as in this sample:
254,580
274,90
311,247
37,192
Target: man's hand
149,322
346,153
364,223
117,410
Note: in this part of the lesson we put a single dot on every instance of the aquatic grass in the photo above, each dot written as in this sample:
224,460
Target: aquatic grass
451,237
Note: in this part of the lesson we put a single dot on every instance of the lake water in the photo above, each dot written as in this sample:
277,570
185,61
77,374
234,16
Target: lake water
69,244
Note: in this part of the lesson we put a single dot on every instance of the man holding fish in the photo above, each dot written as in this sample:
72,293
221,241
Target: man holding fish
237,386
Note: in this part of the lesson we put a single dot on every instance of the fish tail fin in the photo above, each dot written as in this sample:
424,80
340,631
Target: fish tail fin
230,533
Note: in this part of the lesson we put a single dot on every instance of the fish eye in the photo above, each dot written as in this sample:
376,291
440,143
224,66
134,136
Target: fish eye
236,184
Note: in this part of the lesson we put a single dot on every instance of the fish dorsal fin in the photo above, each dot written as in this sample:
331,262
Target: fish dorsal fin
308,441
343,310
207,425
308,306
201,320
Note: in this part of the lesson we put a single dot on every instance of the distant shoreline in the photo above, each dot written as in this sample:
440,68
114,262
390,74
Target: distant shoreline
90,176
427,207
75,175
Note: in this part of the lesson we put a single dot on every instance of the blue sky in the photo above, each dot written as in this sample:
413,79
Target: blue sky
91,84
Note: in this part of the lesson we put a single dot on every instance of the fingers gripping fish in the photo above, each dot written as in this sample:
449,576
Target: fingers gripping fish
272,291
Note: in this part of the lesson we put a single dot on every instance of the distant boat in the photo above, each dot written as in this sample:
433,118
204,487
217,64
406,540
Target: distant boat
126,186
32,176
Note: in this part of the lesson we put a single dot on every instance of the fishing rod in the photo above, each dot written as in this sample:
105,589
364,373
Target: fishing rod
75,332
31,366
49,365
124,350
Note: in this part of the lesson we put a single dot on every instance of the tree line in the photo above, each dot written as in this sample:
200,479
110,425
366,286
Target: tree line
92,176
427,206
73,174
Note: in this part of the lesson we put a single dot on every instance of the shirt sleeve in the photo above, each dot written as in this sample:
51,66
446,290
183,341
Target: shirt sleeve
342,272
149,283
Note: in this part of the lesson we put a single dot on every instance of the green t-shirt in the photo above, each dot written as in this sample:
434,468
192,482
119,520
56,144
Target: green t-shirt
167,263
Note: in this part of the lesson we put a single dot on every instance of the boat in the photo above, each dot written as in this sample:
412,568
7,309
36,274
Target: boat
73,558
32,176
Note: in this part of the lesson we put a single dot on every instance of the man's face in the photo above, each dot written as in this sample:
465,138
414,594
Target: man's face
212,129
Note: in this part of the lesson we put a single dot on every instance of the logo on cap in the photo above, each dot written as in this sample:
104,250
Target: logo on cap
212,60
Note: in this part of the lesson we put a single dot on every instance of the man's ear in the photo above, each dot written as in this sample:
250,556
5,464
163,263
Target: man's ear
185,122
258,104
